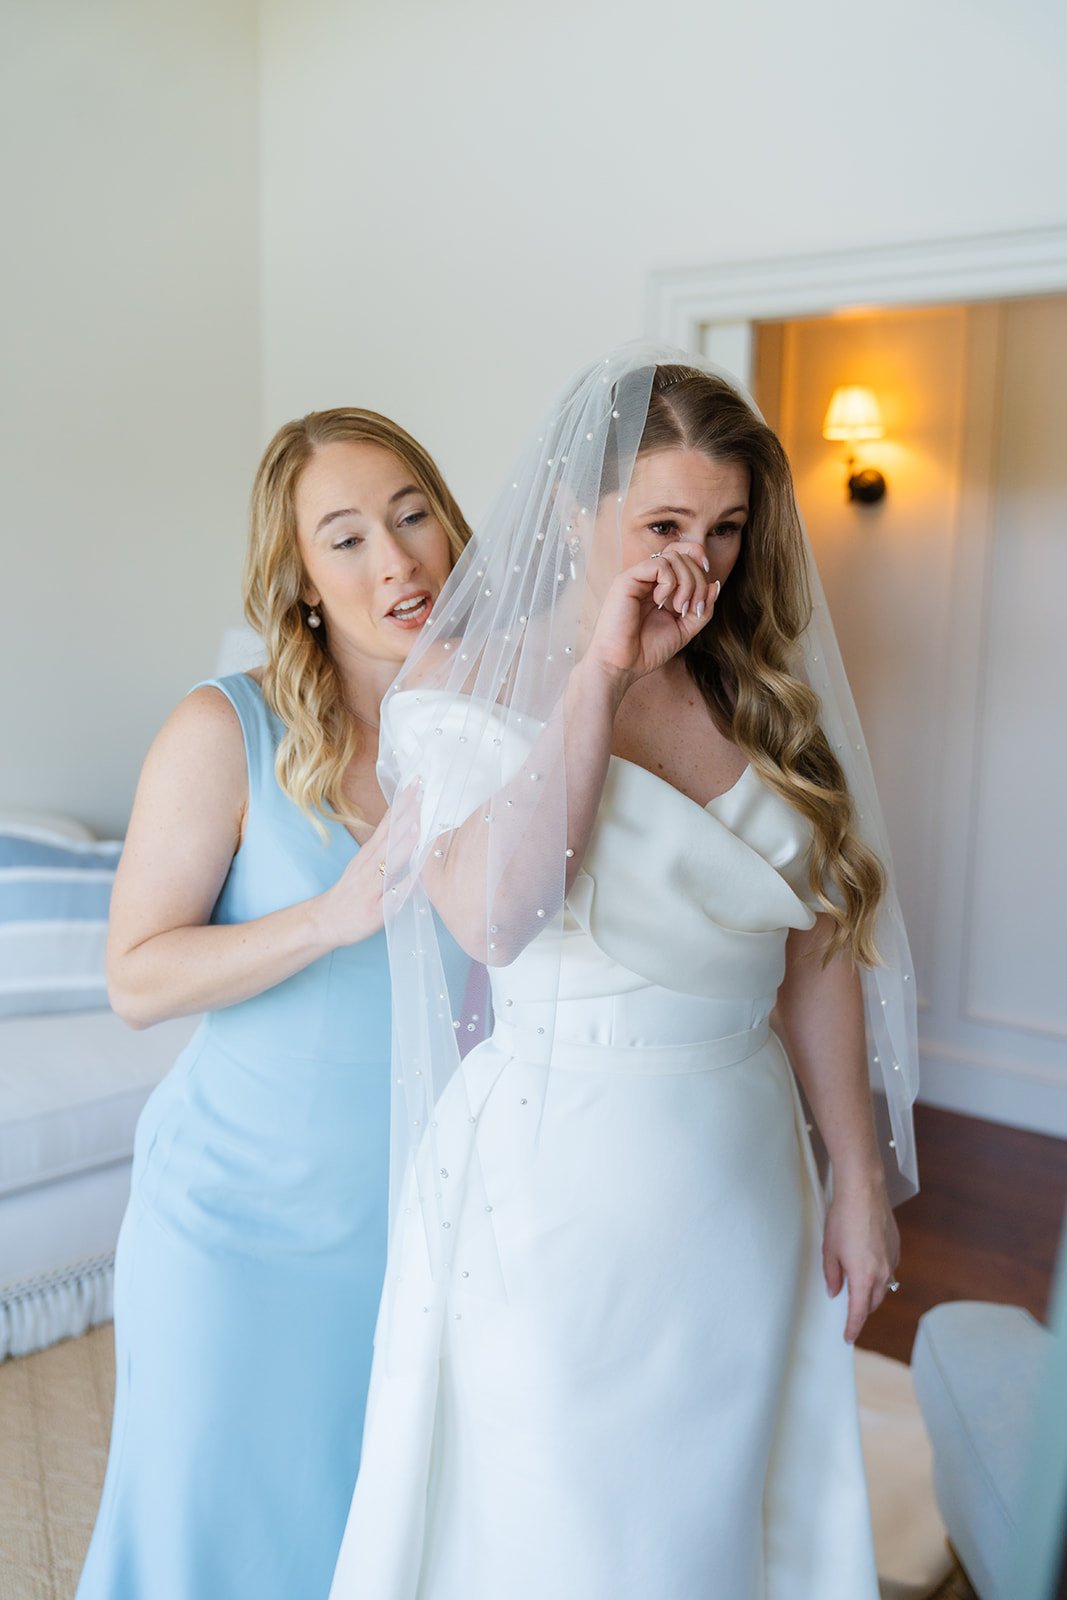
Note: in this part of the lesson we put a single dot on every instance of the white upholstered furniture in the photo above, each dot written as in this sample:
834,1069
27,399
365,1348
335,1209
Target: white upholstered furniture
978,1371
71,1089
73,1080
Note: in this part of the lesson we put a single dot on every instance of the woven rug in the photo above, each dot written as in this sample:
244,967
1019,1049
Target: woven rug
55,1419
910,1543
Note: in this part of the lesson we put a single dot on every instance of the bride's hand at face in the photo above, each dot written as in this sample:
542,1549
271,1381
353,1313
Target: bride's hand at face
651,611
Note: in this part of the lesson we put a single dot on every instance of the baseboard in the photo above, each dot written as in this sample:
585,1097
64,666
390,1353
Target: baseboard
1002,1090
58,1305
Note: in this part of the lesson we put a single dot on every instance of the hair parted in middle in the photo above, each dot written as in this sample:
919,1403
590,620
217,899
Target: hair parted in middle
300,682
743,662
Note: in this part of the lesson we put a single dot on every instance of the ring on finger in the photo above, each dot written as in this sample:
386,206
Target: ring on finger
892,1285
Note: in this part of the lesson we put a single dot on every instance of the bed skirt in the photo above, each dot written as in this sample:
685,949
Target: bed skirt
58,1305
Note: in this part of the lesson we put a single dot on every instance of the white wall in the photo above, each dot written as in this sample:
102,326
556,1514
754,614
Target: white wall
1000,1035
129,404
1020,769
439,212
463,201
459,203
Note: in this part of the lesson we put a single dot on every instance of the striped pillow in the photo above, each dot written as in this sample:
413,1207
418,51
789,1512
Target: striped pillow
53,923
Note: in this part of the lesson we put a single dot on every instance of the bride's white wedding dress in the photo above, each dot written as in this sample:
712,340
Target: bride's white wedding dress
653,1400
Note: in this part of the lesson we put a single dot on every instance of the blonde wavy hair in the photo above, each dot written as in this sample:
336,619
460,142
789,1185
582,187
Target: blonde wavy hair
742,663
300,682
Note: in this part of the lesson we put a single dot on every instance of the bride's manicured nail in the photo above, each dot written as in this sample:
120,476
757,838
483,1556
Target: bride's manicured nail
707,564
700,608
718,589
685,608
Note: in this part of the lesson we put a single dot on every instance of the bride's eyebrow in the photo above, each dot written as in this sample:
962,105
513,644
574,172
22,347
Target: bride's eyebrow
684,511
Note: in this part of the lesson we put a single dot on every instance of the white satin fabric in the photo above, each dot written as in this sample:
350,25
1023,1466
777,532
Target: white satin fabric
649,1397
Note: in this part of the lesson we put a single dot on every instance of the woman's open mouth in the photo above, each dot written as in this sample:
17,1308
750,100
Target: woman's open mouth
412,611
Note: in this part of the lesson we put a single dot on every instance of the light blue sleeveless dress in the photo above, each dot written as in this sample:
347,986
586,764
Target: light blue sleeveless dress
251,1258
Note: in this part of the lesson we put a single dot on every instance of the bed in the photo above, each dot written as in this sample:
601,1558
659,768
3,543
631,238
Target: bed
73,1080
72,1086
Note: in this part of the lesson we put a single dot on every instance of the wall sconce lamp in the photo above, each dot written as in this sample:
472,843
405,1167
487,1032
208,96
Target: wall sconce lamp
854,415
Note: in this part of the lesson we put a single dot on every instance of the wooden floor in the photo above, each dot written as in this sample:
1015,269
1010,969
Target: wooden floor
984,1226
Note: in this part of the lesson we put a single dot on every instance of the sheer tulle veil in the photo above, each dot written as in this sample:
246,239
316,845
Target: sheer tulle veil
472,763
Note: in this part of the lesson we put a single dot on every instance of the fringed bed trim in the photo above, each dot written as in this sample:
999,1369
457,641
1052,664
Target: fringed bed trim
57,1305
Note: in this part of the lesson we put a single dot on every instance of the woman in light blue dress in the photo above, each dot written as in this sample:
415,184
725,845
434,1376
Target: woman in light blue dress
250,1262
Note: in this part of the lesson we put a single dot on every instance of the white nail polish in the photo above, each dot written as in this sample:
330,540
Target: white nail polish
700,608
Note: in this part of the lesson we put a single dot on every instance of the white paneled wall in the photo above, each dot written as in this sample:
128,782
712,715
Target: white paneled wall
948,604
1016,972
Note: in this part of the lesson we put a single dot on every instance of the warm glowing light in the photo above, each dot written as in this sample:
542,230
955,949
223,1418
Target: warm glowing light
853,414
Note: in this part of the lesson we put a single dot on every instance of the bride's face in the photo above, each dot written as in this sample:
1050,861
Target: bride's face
674,494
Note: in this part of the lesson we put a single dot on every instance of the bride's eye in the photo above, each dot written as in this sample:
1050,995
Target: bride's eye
348,542
413,519
664,530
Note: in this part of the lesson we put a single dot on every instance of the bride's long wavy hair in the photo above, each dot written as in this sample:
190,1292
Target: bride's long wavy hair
300,682
742,663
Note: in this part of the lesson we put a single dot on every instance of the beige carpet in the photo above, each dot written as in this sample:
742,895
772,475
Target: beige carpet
55,1418
909,1536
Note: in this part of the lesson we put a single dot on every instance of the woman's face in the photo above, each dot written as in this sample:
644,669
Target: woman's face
376,556
674,494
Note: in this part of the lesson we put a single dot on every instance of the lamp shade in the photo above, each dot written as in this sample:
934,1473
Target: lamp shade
853,414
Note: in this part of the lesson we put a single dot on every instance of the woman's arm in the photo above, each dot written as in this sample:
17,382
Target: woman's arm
820,1010
650,612
163,957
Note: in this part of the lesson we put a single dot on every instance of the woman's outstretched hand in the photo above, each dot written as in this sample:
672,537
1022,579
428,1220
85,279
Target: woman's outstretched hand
652,610
861,1246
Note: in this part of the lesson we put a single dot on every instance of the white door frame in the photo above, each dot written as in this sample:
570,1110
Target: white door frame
680,303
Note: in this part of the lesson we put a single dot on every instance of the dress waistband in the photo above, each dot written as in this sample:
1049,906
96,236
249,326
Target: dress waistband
703,1056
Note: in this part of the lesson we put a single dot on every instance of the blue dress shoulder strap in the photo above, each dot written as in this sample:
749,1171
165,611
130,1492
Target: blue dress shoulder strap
261,728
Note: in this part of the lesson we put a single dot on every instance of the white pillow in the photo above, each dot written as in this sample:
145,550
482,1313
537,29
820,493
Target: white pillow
46,827
54,898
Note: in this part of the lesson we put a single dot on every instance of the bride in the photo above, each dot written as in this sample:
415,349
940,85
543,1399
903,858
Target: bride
613,1358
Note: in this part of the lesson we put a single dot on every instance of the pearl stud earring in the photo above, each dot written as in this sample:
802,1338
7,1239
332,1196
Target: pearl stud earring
314,620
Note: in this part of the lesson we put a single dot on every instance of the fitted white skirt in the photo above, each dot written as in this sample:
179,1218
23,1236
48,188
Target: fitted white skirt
653,1399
